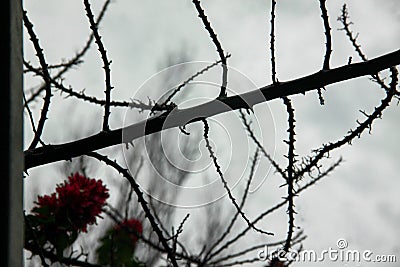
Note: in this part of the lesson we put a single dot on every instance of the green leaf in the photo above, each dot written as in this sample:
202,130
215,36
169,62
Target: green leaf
117,249
45,210
62,241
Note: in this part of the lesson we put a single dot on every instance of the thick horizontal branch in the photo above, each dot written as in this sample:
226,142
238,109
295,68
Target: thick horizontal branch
180,117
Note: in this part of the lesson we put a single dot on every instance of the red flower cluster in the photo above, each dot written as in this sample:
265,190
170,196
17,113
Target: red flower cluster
130,225
76,203
119,243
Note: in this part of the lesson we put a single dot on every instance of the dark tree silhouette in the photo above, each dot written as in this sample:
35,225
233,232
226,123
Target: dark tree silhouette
163,240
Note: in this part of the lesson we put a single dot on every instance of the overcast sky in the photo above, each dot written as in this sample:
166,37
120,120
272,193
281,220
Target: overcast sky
358,202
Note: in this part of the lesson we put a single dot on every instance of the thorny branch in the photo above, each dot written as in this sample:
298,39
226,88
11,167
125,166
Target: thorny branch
172,116
346,27
224,182
46,77
35,241
117,218
290,171
344,19
48,154
77,59
234,218
296,239
328,36
312,162
31,117
272,41
191,78
141,200
217,44
106,64
134,103
247,125
276,207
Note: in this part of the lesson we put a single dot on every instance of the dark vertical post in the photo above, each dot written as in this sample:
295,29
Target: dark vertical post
11,157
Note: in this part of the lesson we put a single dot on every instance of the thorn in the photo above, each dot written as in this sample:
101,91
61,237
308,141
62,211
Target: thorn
182,129
249,109
349,61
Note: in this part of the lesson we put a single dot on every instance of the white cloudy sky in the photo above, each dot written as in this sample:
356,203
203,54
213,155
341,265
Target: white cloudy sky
358,202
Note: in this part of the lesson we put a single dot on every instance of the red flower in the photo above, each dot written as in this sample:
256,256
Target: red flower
119,244
76,204
48,201
83,198
47,207
132,226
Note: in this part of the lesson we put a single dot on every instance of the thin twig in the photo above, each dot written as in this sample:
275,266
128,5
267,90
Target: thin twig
311,163
234,218
250,132
217,44
321,97
346,27
328,37
131,189
272,43
141,200
178,232
35,240
106,64
290,171
56,66
76,59
31,117
344,19
117,218
65,260
225,184
46,77
274,208
134,103
296,238
191,78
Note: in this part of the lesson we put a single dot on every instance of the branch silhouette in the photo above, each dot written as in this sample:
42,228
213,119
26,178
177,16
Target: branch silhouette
180,117
163,236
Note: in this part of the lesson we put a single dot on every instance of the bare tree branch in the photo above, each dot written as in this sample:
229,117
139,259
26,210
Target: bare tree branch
141,200
191,78
312,162
234,218
272,42
75,60
290,171
31,117
344,19
134,103
224,182
274,208
218,45
178,117
106,64
46,77
328,36
259,145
